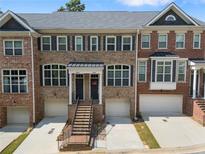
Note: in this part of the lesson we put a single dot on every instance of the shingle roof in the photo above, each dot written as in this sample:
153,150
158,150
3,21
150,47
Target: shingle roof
163,54
86,64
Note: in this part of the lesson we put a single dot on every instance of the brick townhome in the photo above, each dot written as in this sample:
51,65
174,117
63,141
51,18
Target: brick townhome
125,62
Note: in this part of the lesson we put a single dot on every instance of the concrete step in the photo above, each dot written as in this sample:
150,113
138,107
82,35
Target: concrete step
83,111
81,130
81,120
81,126
81,123
82,116
81,133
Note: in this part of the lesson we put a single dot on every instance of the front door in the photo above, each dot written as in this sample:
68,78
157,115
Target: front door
94,87
79,86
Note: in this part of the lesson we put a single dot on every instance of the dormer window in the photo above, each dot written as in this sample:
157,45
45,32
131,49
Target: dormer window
170,18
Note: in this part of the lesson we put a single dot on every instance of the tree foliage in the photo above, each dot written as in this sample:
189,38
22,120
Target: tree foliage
73,6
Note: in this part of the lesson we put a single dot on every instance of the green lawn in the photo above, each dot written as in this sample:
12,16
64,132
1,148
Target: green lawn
14,145
146,135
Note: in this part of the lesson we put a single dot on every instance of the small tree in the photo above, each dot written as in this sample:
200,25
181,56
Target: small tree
73,6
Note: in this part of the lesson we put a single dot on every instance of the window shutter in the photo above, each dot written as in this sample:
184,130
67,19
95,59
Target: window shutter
104,75
39,43
174,71
68,43
41,75
131,79
99,43
73,43
104,43
54,43
83,43
119,43
68,78
89,43
134,42
153,70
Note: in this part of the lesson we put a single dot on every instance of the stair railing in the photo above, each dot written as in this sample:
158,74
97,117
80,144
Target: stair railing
76,108
91,121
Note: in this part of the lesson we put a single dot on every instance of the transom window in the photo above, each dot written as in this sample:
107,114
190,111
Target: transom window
145,41
162,41
197,41
181,71
170,18
46,43
94,43
62,43
13,47
54,75
118,75
180,41
164,71
15,81
142,70
78,43
110,43
126,43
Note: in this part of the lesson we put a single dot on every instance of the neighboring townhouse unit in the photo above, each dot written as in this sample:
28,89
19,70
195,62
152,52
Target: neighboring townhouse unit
125,63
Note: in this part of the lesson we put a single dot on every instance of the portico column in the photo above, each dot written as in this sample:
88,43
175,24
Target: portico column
194,84
70,88
100,88
204,83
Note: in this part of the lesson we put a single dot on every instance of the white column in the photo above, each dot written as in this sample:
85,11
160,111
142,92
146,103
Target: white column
70,88
194,83
100,88
204,84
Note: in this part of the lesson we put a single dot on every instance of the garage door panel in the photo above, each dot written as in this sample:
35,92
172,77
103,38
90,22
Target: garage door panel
17,115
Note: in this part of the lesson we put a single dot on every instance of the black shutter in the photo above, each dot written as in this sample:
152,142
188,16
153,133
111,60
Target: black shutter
54,43
89,43
83,43
39,43
73,43
68,78
68,43
133,42
41,75
174,71
99,43
119,43
104,43
104,75
153,70
131,79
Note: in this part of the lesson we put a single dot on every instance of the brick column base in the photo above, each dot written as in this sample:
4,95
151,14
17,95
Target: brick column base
3,116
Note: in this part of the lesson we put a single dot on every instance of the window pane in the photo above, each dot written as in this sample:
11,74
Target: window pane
162,44
6,72
111,67
62,40
160,69
18,44
127,40
54,66
94,47
79,40
117,82
63,82
18,52
23,80
110,82
62,74
125,82
145,38
47,67
22,72
167,69
14,72
6,80
47,82
23,88
62,47
126,47
79,47
8,51
15,88
46,47
111,47
55,82
145,45
181,77
167,78
46,40
111,40
47,73
125,74
117,74
159,77
110,74
6,88
94,40
55,74
9,44
162,38
141,77
117,66
62,67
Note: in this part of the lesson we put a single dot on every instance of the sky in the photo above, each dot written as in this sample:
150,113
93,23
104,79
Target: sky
195,8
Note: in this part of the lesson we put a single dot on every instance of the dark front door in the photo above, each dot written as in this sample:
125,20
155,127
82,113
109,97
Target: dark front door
79,86
94,88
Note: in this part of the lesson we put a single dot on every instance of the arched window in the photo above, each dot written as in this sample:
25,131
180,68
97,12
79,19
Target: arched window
170,18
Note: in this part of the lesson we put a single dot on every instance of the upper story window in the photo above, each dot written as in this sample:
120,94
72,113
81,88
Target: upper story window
181,71
54,75
197,41
180,41
94,43
145,43
126,43
162,41
110,43
79,43
170,18
164,71
13,47
15,81
142,70
62,43
118,75
46,43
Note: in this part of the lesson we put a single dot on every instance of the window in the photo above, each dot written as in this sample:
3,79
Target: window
62,43
94,43
180,41
127,43
164,71
110,43
79,43
145,41
46,43
181,71
170,18
197,41
162,41
142,71
118,75
13,47
15,81
54,75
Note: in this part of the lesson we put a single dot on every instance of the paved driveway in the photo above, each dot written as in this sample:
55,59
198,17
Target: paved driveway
121,134
42,140
176,130
10,133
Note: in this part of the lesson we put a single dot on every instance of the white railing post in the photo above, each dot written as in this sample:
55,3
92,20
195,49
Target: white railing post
100,88
70,88
194,84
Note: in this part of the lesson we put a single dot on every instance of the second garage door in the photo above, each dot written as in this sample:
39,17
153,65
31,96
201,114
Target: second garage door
17,115
56,107
118,107
161,104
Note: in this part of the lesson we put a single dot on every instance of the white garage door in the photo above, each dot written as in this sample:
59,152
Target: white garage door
161,104
56,107
17,115
118,107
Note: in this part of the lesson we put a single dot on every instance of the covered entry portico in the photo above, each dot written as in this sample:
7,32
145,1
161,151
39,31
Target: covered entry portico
85,81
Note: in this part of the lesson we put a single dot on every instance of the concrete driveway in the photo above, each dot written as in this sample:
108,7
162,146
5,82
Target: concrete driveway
42,140
121,134
10,133
175,130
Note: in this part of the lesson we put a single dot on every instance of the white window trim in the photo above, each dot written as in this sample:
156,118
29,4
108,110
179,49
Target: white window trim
183,41
42,43
51,85
145,71
129,83
111,44
166,41
91,43
122,45
2,76
166,19
177,71
142,41
199,41
4,46
79,36
59,44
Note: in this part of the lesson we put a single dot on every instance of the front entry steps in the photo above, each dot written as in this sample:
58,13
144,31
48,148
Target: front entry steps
199,111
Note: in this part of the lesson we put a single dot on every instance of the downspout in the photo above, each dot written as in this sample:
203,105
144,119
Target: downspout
33,88
136,73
